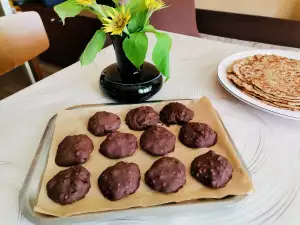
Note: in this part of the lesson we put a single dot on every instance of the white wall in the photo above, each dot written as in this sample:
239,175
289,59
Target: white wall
285,9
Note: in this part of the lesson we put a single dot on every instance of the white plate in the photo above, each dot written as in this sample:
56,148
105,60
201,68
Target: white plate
232,89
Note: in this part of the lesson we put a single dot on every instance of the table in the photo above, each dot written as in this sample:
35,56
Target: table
270,145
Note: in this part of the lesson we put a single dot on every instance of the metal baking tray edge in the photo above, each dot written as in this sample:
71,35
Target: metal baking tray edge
30,190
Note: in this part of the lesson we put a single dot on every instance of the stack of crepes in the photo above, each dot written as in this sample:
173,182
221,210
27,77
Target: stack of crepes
274,80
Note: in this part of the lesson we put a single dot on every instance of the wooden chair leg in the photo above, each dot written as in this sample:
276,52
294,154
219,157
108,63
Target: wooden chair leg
34,64
28,71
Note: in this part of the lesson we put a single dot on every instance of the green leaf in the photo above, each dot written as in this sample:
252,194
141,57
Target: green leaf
136,6
135,48
116,2
93,47
108,9
67,9
161,52
150,28
137,22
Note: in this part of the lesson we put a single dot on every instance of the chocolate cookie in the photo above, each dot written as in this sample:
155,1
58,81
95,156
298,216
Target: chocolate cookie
166,175
141,118
211,170
176,113
69,185
118,145
158,141
103,123
74,150
119,181
197,135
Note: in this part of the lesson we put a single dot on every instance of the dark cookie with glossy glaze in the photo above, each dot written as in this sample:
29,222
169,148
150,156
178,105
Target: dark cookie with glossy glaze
197,135
176,113
166,175
141,118
69,185
119,181
118,145
103,123
211,170
74,150
157,141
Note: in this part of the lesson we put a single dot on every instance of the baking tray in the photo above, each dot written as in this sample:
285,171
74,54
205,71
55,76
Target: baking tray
30,190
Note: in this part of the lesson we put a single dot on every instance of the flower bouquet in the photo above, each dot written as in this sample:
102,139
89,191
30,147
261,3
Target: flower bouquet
127,24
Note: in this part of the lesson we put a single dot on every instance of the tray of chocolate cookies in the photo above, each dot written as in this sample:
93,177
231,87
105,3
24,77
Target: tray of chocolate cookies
111,162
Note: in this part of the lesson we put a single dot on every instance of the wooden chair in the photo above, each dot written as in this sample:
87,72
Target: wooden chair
22,38
5,8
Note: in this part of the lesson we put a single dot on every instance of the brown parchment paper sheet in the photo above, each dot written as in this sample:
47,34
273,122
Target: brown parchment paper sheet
71,122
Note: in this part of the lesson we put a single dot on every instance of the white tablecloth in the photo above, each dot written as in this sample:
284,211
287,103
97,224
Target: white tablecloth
270,145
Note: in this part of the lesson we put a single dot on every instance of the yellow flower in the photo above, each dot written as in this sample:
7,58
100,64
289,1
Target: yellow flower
84,2
117,21
154,5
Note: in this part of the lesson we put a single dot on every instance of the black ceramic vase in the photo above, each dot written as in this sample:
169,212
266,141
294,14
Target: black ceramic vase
124,83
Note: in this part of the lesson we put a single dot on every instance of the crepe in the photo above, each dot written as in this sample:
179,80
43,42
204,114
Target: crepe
274,80
241,81
252,91
71,122
272,103
272,74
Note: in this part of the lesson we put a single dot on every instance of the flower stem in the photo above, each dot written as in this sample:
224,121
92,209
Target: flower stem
99,10
126,31
149,14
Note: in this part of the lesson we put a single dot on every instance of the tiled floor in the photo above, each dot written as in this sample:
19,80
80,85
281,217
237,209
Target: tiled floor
12,82
17,80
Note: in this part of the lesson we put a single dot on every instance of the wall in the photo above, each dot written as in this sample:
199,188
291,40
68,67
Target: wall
284,9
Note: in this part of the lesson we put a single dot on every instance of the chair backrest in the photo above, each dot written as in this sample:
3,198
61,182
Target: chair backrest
22,38
179,17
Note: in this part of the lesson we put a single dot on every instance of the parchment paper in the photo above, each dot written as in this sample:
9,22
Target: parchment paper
71,122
